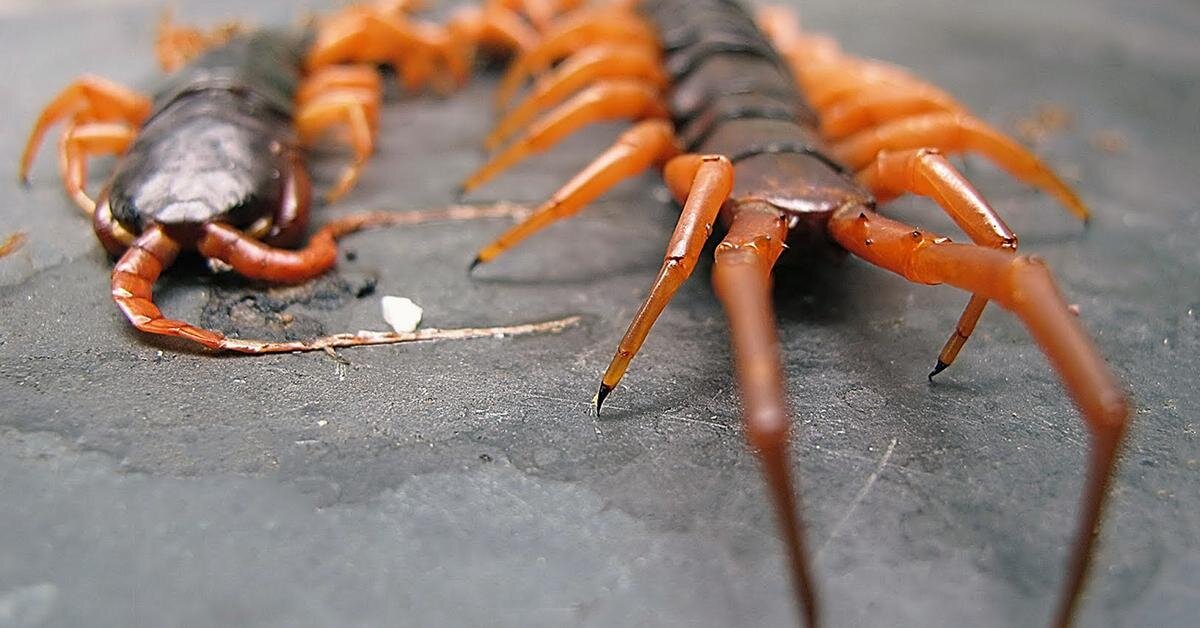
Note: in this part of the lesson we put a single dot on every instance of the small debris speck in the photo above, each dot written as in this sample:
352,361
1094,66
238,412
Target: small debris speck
1109,141
402,314
1047,120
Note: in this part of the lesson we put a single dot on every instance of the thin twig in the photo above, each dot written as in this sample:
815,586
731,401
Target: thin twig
346,225
370,338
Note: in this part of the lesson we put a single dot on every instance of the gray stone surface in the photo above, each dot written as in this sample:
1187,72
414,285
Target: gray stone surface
142,483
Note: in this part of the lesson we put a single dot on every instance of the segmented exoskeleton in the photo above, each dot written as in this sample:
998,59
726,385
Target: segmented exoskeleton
781,137
213,161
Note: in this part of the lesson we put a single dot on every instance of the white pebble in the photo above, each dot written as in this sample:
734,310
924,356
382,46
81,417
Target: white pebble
402,314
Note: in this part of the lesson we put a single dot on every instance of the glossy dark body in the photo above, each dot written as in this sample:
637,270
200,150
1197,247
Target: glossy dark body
219,144
733,96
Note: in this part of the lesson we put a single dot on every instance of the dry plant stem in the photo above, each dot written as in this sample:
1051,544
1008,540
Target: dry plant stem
367,338
378,219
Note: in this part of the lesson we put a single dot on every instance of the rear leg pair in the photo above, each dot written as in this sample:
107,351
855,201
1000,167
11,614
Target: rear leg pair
145,256
141,264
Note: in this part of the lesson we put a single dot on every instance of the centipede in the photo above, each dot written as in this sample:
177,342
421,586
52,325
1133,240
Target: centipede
779,139
213,161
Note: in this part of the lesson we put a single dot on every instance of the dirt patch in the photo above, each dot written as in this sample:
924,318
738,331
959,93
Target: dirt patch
278,312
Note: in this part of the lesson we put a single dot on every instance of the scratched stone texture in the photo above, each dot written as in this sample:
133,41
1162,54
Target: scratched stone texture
145,484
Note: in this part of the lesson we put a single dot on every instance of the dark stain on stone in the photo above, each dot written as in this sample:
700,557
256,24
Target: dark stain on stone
278,313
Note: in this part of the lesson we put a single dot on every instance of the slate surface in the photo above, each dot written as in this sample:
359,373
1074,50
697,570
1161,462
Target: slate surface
463,484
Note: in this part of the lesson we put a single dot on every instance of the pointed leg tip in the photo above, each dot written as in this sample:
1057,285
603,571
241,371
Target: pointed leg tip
474,264
460,193
605,389
24,181
938,368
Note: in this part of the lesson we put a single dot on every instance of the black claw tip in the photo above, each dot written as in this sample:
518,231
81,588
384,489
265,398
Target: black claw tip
475,262
1087,222
25,182
460,193
938,368
600,396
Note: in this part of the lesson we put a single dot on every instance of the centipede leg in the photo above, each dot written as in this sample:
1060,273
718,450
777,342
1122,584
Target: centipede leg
610,100
836,79
635,151
573,33
133,280
398,7
360,34
876,107
492,25
704,182
176,45
87,99
340,77
928,173
741,277
954,133
1024,286
541,13
851,99
86,140
356,110
581,69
